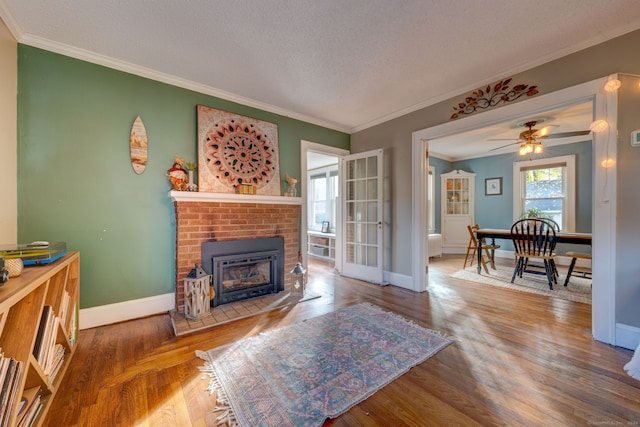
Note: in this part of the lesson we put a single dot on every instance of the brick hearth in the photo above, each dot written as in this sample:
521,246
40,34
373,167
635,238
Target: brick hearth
210,217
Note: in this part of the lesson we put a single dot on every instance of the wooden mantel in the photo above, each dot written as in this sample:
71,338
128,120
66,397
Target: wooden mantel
196,196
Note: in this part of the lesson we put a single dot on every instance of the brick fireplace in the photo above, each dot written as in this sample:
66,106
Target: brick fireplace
205,217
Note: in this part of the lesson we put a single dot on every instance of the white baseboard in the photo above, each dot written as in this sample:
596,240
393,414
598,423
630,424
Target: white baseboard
457,250
400,280
627,336
127,310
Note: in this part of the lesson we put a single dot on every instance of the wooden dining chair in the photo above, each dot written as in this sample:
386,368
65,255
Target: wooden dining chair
556,227
534,239
583,272
472,247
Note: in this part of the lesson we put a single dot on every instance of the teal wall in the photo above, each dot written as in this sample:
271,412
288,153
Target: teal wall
75,180
497,211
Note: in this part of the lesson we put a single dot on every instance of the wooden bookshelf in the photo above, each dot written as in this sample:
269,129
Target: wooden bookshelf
22,300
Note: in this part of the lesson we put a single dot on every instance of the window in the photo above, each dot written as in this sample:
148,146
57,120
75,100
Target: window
546,186
323,192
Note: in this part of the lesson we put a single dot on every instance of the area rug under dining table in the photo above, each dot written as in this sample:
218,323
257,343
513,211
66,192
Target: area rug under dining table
578,288
304,373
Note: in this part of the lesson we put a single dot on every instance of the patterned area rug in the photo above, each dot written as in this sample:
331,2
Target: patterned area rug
578,289
302,374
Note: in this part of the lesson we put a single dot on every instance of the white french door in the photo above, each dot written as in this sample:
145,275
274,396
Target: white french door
362,249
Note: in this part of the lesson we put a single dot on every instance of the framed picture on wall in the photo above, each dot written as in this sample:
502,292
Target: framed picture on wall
493,186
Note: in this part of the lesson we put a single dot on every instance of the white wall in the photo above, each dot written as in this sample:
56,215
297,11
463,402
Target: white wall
8,137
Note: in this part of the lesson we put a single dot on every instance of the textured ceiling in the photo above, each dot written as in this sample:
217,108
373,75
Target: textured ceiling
345,64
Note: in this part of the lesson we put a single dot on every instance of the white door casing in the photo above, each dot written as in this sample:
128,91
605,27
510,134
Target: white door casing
603,199
305,148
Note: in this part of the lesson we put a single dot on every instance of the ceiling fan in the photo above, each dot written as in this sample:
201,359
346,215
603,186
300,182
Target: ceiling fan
529,139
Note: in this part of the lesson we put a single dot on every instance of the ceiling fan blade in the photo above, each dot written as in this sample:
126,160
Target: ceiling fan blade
504,139
568,134
513,143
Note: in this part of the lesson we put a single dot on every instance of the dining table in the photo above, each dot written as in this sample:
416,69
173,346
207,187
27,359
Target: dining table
496,233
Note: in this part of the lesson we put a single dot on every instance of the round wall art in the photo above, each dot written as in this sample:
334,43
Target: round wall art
234,150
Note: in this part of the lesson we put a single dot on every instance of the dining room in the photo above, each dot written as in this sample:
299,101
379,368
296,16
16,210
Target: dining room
507,184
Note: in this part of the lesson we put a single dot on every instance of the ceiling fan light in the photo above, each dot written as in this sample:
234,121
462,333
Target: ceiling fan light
523,150
538,148
612,85
599,126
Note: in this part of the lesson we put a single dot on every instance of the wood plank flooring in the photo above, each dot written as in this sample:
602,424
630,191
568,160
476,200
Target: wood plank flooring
519,360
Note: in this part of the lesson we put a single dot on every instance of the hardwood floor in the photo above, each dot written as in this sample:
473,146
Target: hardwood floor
519,360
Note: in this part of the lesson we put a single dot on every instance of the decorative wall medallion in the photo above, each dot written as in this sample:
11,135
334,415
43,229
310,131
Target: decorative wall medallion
138,146
492,96
234,150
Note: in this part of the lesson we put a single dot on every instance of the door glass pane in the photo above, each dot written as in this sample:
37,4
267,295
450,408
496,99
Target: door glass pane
350,233
361,168
350,172
372,234
350,211
361,211
360,233
351,253
361,189
351,193
361,255
372,211
372,256
372,166
372,189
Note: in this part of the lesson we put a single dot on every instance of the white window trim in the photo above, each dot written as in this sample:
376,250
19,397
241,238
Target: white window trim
570,161
431,200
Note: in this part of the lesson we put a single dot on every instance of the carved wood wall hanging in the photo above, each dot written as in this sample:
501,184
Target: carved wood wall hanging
491,96
235,150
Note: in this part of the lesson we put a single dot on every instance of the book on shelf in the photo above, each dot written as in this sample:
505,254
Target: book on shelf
30,416
30,401
73,328
54,365
9,391
64,308
40,336
4,367
44,348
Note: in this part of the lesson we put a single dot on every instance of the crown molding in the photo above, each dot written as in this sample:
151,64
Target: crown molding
10,22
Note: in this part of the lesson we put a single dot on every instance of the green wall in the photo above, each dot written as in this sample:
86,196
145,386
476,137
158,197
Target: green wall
75,180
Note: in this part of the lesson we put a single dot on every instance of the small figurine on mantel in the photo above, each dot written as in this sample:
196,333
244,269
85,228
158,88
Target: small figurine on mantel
178,175
291,182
